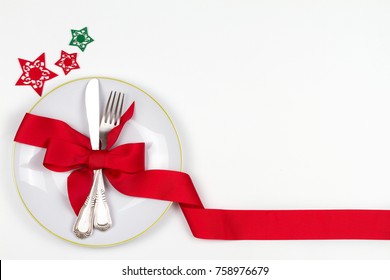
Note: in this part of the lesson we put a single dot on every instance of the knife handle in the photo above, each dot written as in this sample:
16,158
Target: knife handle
83,226
102,218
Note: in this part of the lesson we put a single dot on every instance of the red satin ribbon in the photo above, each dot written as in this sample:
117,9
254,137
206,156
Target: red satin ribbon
67,149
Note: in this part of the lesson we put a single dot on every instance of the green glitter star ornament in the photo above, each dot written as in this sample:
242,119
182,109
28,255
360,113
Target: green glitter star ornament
80,38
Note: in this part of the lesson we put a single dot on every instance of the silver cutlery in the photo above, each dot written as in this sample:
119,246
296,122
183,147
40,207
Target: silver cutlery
83,226
95,211
110,119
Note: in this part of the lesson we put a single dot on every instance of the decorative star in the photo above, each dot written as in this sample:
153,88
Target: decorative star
80,38
35,74
68,62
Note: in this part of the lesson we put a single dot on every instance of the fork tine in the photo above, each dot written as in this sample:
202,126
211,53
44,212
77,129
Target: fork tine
115,112
106,110
112,110
121,108
114,106
118,109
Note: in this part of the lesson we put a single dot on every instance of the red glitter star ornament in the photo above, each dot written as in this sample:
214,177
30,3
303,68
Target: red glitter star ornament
35,74
68,62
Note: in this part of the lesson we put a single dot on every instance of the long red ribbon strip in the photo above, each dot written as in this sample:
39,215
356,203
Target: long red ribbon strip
67,149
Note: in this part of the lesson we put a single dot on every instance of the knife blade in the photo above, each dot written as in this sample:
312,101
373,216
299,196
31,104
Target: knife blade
92,109
83,226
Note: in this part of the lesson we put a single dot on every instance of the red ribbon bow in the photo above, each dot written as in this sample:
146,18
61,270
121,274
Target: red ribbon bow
64,156
123,166
67,149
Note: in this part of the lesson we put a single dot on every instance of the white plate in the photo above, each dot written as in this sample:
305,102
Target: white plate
44,192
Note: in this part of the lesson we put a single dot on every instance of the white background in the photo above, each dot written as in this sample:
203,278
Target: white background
278,105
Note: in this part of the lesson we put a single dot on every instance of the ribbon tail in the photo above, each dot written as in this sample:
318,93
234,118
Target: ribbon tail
288,224
228,224
79,185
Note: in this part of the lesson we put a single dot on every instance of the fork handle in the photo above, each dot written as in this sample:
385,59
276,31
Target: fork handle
102,217
83,226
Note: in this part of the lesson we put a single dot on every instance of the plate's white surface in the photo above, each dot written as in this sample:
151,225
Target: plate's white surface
45,192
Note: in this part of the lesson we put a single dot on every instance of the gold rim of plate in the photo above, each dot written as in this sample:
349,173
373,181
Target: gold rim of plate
100,245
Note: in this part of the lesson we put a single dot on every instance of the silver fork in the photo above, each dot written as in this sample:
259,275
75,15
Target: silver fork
110,119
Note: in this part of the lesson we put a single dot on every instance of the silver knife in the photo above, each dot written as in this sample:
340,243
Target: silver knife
83,226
